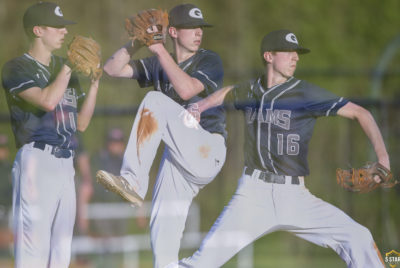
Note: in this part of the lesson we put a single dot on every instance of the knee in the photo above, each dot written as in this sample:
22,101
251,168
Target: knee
156,101
154,97
153,94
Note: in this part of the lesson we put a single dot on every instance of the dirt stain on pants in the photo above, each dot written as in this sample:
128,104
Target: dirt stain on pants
204,151
146,127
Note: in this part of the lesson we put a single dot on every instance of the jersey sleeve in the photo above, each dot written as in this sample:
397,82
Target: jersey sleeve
321,102
143,70
210,72
16,79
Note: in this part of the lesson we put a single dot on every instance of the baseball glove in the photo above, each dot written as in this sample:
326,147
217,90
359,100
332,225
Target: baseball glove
361,180
84,56
148,26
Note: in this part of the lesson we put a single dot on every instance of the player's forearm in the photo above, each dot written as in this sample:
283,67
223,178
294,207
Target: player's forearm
55,91
368,124
117,65
215,99
48,97
185,85
371,129
87,109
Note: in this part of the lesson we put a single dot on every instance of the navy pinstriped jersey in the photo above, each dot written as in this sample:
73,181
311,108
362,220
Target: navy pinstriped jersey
280,121
30,123
206,66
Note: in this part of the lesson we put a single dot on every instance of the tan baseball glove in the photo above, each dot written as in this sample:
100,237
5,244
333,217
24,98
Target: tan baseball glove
148,26
361,180
84,56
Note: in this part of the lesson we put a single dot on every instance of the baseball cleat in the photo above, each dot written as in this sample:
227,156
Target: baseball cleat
120,186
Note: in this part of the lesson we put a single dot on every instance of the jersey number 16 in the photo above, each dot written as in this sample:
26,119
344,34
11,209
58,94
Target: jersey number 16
291,147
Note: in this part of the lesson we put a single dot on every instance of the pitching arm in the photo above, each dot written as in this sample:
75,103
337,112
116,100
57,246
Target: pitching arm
215,99
368,124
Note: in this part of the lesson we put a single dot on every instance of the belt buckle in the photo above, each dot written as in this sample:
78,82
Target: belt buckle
61,153
274,178
263,176
280,179
56,152
268,177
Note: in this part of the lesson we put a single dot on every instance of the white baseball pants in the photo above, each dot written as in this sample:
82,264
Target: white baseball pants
44,205
192,158
258,208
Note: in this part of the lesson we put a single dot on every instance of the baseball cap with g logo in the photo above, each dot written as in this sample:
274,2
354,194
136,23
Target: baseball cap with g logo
281,40
186,16
44,14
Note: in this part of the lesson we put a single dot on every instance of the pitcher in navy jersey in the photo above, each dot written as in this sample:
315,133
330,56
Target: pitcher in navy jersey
194,152
280,112
46,107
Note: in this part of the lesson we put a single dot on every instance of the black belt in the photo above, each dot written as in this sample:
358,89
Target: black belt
55,150
271,177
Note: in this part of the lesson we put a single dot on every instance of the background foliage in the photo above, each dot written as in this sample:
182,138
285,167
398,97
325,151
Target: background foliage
347,39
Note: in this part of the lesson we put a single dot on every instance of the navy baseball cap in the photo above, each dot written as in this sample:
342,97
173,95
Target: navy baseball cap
44,14
281,40
186,16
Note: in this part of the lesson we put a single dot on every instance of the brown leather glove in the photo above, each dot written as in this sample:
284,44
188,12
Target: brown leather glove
362,180
84,56
148,26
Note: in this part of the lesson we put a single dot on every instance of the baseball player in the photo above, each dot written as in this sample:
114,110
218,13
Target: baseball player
194,152
280,113
43,99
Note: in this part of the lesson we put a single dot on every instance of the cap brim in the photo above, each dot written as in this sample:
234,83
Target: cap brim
299,50
62,22
302,50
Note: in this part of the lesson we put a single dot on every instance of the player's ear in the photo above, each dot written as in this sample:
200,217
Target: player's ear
172,32
267,56
37,31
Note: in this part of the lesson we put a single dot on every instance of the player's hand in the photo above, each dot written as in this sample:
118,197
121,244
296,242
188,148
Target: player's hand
193,109
191,116
385,163
156,48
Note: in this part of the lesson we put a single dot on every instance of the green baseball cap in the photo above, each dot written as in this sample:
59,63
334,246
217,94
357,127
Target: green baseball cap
281,40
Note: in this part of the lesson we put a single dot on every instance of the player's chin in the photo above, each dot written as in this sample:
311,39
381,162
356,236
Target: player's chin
59,44
194,49
290,73
196,46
